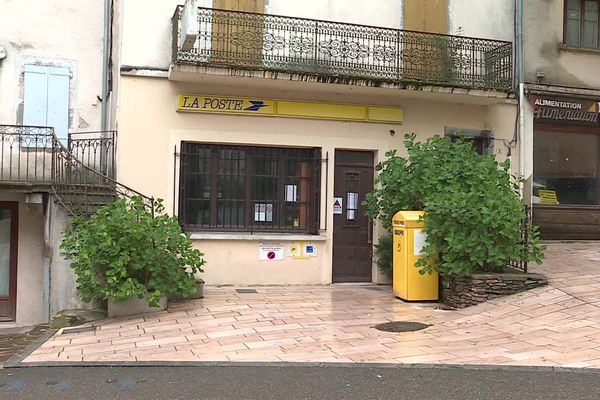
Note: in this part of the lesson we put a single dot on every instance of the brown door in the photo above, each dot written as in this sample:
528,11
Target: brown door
8,259
352,233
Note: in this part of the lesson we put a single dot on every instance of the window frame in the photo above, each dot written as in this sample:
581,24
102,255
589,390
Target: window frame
581,25
309,183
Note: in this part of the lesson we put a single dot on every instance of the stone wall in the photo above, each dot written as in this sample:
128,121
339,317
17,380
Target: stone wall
461,292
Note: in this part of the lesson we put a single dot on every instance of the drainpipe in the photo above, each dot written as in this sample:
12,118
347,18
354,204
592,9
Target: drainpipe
105,117
522,138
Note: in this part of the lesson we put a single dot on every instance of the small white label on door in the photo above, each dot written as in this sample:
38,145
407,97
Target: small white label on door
337,205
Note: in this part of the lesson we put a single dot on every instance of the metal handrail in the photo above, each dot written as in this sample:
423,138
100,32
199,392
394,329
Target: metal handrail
247,40
62,157
34,155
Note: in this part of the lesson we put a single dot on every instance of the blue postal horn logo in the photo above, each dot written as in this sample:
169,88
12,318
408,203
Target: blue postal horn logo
256,105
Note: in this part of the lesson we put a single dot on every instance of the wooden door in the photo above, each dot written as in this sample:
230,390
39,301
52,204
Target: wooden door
352,230
238,38
425,56
8,259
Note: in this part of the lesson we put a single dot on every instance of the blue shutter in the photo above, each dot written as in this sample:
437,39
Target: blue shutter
46,98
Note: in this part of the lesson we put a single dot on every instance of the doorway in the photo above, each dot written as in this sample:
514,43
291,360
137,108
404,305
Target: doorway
8,259
352,230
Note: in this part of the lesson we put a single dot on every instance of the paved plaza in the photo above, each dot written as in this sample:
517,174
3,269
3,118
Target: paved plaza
556,325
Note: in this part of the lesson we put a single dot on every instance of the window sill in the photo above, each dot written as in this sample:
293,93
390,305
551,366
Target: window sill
257,236
575,49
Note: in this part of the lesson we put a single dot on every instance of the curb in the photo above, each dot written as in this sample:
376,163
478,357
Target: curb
17,362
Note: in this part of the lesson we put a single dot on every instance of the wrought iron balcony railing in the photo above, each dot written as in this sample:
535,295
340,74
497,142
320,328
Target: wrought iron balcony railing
331,49
80,174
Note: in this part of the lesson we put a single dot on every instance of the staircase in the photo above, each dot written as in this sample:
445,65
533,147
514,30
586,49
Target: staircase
79,175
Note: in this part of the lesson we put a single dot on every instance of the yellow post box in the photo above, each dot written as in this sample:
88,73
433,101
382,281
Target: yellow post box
409,240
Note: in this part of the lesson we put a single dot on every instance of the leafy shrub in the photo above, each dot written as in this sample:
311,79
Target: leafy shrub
384,256
473,209
123,251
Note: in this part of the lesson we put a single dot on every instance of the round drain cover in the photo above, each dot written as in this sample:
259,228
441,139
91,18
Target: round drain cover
401,326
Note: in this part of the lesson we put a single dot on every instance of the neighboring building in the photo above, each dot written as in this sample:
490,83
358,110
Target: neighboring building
51,78
261,127
562,57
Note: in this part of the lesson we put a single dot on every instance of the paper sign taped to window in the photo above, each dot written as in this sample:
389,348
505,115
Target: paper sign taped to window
548,196
420,242
263,212
291,193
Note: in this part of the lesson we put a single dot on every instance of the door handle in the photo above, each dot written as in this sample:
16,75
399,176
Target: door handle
369,231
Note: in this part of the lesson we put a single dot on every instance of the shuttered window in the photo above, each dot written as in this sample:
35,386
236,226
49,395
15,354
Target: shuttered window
581,23
46,97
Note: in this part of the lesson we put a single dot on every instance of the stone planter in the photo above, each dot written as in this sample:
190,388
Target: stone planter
134,306
459,292
199,294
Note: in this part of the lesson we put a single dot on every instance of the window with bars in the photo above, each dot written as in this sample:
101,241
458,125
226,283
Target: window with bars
581,23
249,188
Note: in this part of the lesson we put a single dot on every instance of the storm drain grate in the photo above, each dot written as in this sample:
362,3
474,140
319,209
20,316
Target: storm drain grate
246,290
401,326
81,329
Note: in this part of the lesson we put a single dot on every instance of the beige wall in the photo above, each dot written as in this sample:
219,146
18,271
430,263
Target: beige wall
543,34
30,263
150,129
59,32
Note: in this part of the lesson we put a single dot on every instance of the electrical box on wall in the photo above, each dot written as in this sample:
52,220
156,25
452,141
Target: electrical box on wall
189,26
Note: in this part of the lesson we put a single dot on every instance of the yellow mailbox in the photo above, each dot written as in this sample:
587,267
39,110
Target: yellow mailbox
409,240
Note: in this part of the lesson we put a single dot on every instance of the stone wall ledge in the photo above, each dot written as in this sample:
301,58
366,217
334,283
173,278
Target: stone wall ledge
461,292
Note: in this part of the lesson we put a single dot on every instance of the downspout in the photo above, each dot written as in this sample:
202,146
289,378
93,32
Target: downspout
105,117
106,108
522,140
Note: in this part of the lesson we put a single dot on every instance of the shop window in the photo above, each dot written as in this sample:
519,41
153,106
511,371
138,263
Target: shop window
249,188
565,168
581,23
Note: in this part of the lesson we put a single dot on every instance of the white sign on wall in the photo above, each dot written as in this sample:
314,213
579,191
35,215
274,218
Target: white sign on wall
270,252
337,205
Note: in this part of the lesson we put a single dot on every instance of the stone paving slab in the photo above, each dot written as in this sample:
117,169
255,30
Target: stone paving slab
556,325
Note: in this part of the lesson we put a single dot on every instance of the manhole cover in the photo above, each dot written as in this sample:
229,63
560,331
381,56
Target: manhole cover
245,290
401,326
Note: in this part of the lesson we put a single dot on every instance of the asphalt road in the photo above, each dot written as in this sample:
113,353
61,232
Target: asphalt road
296,382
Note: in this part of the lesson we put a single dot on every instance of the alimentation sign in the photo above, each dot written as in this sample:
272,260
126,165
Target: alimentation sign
566,111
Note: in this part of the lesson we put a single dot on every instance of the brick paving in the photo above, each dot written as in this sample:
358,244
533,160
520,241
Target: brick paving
557,325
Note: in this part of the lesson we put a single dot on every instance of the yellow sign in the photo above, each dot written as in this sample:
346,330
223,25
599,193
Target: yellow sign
548,197
221,104
286,108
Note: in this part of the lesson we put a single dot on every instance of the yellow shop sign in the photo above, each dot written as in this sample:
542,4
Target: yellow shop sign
225,105
288,108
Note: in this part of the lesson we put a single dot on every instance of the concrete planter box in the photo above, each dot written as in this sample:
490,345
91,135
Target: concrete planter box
198,295
461,292
134,306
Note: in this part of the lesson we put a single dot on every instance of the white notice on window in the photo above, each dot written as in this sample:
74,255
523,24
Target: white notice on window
263,212
291,193
420,241
352,201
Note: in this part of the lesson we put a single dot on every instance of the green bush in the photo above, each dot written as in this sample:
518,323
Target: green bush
384,254
122,251
472,204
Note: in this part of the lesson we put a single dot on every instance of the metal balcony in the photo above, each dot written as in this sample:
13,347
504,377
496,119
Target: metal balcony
242,40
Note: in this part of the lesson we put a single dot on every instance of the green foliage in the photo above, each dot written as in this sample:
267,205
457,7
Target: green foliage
123,251
472,204
384,254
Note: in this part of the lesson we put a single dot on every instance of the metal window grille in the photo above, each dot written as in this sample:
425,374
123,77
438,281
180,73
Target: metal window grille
249,188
